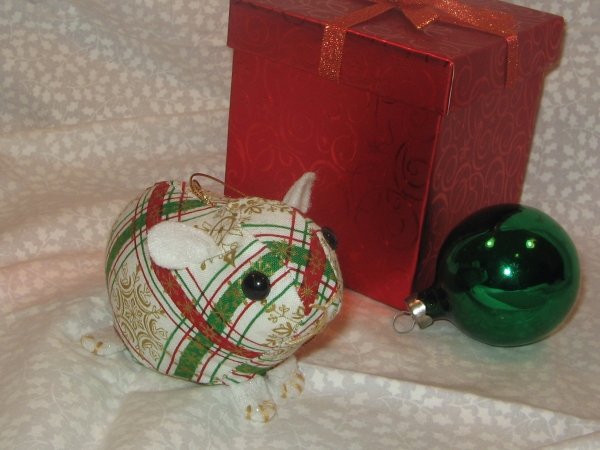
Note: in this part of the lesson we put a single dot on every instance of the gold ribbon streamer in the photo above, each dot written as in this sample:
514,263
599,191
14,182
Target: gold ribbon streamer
420,13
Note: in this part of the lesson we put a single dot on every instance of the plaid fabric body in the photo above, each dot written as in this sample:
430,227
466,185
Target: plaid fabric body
196,323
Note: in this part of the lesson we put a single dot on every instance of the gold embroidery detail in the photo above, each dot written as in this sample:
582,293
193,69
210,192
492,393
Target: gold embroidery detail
259,265
253,206
323,320
222,227
138,317
229,257
225,229
97,348
281,340
287,323
282,250
263,408
265,413
297,386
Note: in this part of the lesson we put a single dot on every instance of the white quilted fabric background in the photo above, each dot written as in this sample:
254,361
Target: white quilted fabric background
100,98
562,177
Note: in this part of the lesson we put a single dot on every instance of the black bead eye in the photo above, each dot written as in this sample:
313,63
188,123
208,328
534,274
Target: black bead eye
330,237
256,286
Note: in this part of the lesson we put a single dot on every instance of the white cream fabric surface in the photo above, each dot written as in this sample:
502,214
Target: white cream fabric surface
101,98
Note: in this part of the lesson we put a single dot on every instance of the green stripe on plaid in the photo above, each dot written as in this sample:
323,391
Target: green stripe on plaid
123,239
252,370
221,316
299,256
196,349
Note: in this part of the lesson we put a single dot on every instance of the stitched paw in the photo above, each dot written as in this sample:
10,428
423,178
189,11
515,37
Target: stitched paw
254,399
103,342
262,412
286,380
292,388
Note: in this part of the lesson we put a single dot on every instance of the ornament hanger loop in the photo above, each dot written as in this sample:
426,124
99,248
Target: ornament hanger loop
394,320
199,192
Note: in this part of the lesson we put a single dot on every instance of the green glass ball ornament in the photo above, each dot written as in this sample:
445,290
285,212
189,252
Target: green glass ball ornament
507,275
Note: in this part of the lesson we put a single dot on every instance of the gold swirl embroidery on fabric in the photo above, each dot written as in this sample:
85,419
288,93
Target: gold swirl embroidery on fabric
225,228
281,340
287,323
138,317
322,322
249,206
222,228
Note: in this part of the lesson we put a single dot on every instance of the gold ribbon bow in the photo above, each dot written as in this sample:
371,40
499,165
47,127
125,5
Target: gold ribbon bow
420,13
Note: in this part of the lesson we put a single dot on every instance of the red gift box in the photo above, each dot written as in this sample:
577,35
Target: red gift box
422,127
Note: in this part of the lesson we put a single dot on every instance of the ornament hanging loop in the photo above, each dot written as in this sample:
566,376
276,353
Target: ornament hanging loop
395,319
199,192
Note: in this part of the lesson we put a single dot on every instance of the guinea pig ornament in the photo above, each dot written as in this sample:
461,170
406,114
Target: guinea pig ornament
218,290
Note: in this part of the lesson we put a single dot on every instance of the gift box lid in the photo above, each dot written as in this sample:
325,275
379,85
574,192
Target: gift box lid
440,67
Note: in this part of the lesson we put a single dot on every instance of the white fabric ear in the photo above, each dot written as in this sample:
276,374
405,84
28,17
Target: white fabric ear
175,245
299,194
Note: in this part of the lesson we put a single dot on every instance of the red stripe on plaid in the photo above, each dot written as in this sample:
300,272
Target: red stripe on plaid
172,288
155,204
313,273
